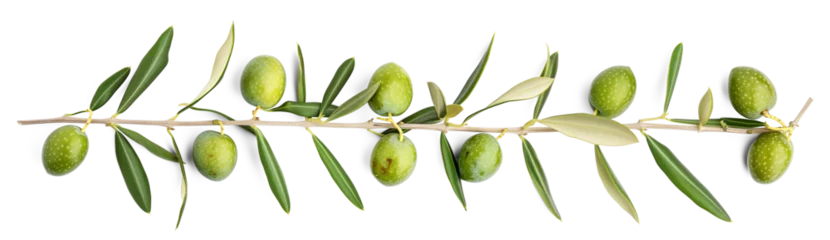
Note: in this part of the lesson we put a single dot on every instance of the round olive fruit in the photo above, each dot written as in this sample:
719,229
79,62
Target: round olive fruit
64,150
769,156
613,91
263,81
480,158
214,154
395,91
751,92
393,160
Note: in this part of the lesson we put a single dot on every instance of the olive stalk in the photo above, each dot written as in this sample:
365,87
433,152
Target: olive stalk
373,125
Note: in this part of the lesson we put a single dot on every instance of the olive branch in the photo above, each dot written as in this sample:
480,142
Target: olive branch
592,128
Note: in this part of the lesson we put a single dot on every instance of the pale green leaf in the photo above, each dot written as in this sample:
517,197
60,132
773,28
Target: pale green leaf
437,99
612,185
704,110
453,110
526,89
220,64
592,129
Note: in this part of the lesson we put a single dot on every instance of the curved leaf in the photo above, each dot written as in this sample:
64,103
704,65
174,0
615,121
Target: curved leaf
300,76
475,76
450,166
550,71
184,179
526,89
704,109
612,185
355,102
108,88
304,109
337,173
220,65
154,148
150,67
247,128
674,70
437,99
426,115
340,78
592,129
272,171
537,174
684,180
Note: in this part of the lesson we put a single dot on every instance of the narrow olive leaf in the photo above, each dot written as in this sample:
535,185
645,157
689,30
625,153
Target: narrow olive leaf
247,128
337,82
477,112
453,110
220,65
337,173
184,179
452,169
592,129
718,122
355,102
612,185
133,172
526,89
550,71
704,110
743,123
674,70
108,88
154,148
475,76
537,174
300,76
303,109
272,171
426,115
150,67
437,99
684,180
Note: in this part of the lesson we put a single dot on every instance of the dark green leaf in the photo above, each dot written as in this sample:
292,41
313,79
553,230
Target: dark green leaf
337,82
184,178
426,115
133,172
450,166
475,76
674,70
272,171
305,109
716,122
549,71
612,185
150,67
220,65
337,173
684,180
108,88
536,173
300,76
149,145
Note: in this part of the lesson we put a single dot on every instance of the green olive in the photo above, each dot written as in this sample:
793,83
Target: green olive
393,160
263,81
480,158
769,156
394,93
214,154
64,150
613,91
751,92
